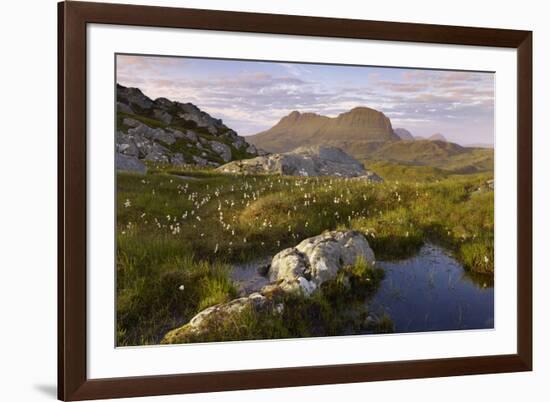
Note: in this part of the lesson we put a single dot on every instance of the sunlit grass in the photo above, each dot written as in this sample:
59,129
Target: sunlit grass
174,231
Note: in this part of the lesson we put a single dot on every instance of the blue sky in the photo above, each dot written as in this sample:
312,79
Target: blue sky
252,96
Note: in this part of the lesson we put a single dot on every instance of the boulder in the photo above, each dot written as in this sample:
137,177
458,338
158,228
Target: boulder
200,161
162,116
177,159
157,156
155,134
238,142
307,266
176,133
370,176
251,149
132,164
222,150
215,316
306,161
126,145
124,108
191,136
301,269
128,121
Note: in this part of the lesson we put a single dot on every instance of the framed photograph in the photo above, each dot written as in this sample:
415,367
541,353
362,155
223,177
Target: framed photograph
253,200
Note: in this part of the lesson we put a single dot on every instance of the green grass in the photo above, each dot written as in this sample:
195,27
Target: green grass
174,231
327,312
150,272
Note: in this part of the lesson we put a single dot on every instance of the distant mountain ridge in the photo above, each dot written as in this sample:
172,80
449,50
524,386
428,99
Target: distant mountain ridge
404,134
368,135
359,126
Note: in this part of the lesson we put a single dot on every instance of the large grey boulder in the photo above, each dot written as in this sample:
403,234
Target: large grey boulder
127,163
162,116
130,122
304,161
200,161
307,266
154,134
222,150
124,108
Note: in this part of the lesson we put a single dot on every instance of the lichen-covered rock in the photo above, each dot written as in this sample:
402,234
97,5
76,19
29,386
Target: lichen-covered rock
177,159
307,266
215,316
162,116
154,134
307,161
130,122
127,163
200,161
124,108
370,176
222,150
156,141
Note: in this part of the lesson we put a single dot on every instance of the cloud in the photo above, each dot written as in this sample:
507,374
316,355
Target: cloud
252,96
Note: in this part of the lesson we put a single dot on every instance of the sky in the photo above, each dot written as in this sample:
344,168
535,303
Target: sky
252,96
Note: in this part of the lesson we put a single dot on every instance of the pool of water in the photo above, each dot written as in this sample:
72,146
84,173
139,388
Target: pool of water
427,292
247,276
432,292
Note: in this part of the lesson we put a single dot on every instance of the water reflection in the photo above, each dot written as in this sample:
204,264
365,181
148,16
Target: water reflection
432,292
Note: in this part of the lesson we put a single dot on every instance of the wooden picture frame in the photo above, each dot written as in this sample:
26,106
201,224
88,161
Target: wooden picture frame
73,17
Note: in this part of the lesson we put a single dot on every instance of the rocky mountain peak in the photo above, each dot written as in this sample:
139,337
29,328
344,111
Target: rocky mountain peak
361,126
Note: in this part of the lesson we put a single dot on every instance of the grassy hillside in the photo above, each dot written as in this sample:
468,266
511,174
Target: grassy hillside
183,233
439,154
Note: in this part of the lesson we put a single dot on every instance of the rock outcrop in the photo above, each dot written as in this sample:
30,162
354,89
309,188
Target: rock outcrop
131,164
171,132
297,270
314,261
216,316
303,161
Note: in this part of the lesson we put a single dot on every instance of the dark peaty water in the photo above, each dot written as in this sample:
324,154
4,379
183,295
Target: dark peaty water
431,292
427,292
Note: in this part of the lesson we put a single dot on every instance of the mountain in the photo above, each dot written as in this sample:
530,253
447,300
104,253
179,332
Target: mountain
437,137
170,132
403,134
357,132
